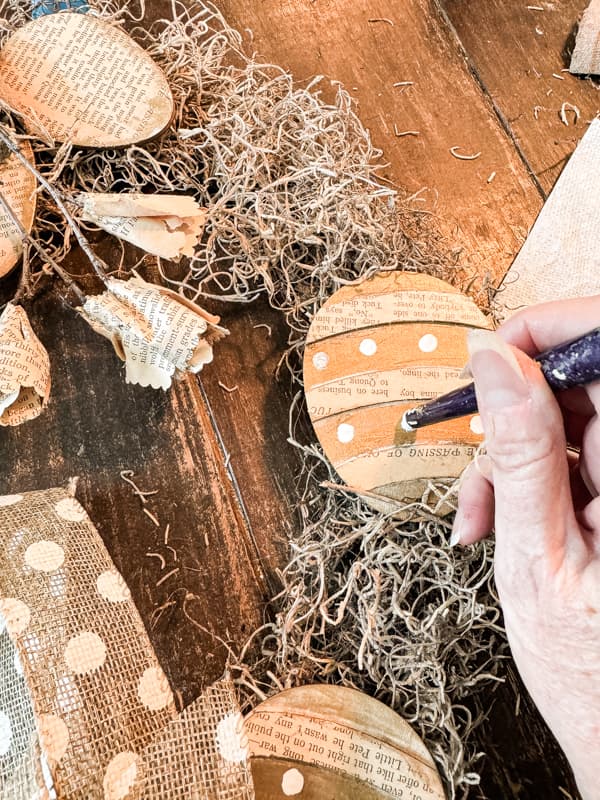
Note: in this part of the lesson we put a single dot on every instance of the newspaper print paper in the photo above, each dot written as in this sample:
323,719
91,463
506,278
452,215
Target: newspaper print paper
167,226
24,369
159,334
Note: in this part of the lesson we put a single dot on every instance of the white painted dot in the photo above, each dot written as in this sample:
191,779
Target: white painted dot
10,499
45,556
345,432
476,425
16,615
120,776
154,690
428,343
292,782
5,734
112,587
320,360
70,510
368,347
232,741
85,652
54,736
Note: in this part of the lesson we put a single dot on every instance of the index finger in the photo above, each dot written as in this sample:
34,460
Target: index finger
540,327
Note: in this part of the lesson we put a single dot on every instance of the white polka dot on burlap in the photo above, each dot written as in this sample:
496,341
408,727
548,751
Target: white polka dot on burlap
85,652
44,556
112,587
5,734
232,741
154,690
54,736
120,776
70,510
10,499
16,615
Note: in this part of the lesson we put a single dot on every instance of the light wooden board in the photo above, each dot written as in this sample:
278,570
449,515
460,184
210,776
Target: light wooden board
485,223
521,55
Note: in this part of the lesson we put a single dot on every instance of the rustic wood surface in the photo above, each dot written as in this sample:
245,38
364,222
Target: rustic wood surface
219,459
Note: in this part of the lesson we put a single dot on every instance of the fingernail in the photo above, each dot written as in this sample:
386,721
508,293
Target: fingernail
456,529
465,372
496,371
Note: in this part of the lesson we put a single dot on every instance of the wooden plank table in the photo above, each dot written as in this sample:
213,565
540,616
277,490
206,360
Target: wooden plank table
486,77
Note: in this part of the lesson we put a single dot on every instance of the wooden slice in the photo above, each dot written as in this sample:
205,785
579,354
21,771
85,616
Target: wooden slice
375,350
84,81
317,742
18,188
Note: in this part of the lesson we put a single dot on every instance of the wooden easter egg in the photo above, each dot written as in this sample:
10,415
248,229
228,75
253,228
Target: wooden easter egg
375,350
318,742
85,81
18,187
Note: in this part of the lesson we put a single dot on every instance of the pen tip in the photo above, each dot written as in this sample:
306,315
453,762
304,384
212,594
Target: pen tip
409,421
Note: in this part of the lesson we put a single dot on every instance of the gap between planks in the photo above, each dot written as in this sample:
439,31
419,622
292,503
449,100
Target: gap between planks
477,77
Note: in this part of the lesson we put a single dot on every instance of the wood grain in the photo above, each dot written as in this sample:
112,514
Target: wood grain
95,427
249,406
484,222
521,55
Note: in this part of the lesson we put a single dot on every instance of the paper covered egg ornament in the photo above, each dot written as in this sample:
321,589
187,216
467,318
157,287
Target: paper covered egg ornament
18,186
375,350
76,78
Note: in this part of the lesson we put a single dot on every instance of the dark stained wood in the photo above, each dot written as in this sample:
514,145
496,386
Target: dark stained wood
252,421
485,221
518,52
96,426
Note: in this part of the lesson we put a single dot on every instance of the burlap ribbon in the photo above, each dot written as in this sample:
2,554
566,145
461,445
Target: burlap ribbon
85,708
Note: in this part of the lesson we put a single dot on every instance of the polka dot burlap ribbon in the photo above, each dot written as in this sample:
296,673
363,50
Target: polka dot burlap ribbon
85,709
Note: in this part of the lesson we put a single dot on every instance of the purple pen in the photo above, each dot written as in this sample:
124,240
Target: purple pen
575,363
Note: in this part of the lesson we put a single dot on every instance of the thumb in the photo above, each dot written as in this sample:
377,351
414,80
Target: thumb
525,440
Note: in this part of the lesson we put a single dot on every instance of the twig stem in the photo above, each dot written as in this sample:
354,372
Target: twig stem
29,240
55,195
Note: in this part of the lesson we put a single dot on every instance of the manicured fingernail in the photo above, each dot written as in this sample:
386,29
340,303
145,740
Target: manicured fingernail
456,529
496,371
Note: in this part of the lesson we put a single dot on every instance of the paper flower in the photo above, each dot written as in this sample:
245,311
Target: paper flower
165,225
24,369
156,332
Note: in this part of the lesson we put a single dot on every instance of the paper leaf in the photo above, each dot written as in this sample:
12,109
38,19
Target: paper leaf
76,78
586,53
18,187
24,369
158,334
167,226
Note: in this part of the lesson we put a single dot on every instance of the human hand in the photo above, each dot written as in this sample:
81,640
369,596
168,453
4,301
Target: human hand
544,507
